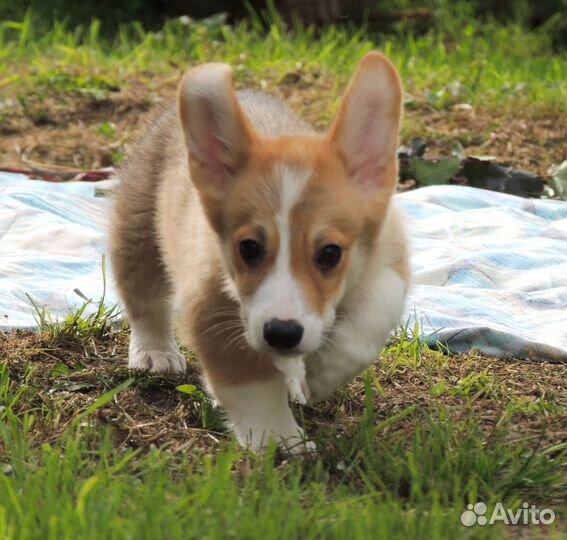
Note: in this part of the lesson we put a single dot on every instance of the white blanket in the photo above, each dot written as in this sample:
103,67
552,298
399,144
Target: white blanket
490,270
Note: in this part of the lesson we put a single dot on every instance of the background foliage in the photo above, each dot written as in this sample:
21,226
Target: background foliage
546,15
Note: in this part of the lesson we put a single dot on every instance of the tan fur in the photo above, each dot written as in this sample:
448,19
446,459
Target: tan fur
175,238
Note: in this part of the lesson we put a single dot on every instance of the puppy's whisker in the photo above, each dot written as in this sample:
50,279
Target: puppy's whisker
222,328
237,341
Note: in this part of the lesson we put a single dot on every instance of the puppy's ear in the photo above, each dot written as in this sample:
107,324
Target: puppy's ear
365,131
217,134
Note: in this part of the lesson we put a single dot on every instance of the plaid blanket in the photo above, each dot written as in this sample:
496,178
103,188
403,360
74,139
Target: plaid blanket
490,270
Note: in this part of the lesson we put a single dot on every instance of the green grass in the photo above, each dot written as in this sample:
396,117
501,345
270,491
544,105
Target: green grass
79,323
81,486
460,60
406,475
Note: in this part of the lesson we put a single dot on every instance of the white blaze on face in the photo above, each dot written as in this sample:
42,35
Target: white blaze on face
280,295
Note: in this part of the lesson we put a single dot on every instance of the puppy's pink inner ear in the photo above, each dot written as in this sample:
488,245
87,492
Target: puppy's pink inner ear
211,149
371,149
368,140
217,133
366,129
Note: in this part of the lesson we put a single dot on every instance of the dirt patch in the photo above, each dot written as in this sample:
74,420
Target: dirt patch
83,132
66,377
93,131
532,140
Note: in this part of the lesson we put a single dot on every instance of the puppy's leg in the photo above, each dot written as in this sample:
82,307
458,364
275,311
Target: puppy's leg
357,337
152,341
243,381
334,366
143,286
294,373
259,411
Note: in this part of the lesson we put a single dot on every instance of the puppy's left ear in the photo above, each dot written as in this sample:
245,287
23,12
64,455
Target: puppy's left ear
365,131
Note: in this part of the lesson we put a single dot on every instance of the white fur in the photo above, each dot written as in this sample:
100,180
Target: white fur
153,347
259,412
357,338
280,296
293,369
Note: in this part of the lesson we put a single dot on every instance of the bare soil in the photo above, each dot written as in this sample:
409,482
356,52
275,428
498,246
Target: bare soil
69,375
65,128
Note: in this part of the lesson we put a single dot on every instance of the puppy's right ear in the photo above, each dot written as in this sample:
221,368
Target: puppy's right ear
217,133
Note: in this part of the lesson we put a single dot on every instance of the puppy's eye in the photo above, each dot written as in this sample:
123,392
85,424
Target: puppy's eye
252,252
328,257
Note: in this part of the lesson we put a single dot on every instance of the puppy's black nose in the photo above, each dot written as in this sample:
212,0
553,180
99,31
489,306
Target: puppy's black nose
283,335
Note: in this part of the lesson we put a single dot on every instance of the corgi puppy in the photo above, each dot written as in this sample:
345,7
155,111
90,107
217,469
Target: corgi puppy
280,248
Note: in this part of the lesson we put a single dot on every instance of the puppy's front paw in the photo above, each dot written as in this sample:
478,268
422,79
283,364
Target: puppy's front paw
292,445
320,387
298,390
299,447
155,361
